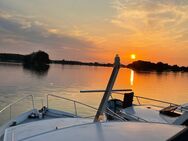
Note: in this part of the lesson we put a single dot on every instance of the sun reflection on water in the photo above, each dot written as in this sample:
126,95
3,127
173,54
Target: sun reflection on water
132,78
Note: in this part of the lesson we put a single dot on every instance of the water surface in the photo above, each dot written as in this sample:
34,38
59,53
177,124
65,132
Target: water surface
67,81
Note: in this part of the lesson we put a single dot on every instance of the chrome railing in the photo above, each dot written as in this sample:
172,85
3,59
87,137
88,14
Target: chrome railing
108,111
179,107
70,100
140,98
134,116
155,100
10,106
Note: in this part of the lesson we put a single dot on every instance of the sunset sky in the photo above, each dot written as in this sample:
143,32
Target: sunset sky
96,30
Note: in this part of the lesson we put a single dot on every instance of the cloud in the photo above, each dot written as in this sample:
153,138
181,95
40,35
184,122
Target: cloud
19,33
161,18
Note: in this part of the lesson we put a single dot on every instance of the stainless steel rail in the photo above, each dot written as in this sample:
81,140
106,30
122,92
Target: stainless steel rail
156,100
74,102
136,117
77,102
17,101
115,115
98,91
151,99
181,108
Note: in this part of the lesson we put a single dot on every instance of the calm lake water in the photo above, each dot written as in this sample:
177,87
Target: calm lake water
67,81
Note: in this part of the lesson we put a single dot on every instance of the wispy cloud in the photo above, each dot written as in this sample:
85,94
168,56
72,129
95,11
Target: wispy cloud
165,18
28,34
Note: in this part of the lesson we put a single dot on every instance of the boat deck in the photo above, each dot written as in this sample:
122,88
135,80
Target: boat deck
147,113
30,129
50,114
89,131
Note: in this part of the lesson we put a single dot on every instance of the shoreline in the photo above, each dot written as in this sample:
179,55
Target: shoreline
139,71
40,59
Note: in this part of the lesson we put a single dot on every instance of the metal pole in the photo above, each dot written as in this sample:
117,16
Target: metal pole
75,108
47,101
98,91
108,90
10,112
33,104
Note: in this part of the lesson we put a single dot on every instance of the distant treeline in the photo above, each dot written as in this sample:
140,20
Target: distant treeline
69,62
40,58
35,58
159,67
6,57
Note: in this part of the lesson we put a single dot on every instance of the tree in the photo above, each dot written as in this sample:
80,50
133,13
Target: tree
37,58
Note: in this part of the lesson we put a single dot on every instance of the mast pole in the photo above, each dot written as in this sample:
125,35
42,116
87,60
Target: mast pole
109,88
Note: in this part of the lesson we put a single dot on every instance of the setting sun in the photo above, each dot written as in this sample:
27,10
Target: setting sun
133,56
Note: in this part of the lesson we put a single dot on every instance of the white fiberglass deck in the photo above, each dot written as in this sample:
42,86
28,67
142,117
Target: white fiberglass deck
147,113
108,131
22,131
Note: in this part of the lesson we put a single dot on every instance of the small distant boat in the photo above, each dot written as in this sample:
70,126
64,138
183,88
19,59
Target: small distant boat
49,124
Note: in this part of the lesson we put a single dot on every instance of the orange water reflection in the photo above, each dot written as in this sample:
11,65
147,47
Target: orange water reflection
67,81
132,78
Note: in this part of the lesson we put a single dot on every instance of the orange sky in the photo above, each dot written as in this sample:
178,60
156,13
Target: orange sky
97,30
